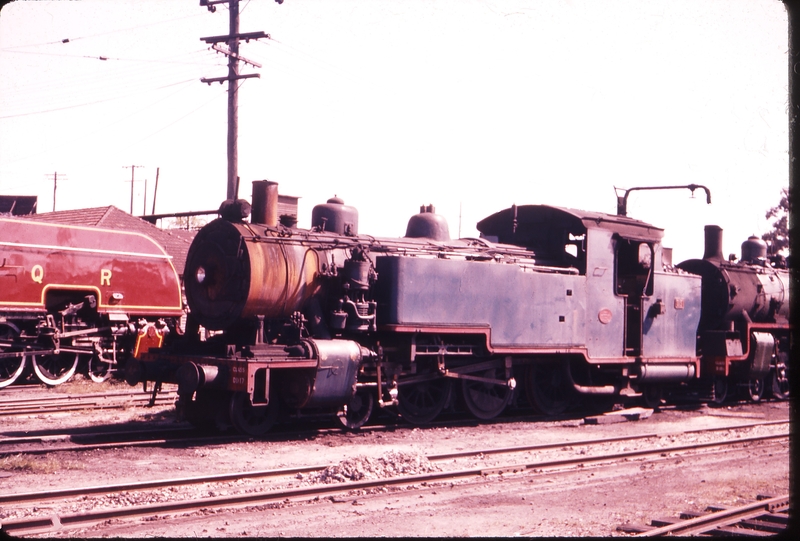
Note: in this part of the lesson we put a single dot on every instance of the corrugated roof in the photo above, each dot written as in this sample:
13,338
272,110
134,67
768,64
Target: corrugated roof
175,241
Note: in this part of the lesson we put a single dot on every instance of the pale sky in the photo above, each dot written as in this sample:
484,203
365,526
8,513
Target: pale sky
469,105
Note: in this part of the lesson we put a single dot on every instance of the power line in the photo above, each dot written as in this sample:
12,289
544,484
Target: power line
73,140
103,84
91,103
89,36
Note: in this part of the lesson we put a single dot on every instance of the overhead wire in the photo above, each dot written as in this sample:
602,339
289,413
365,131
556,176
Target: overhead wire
89,36
88,103
297,53
76,139
216,96
91,87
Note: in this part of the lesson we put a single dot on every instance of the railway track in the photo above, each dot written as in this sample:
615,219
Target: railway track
260,495
76,402
766,516
51,442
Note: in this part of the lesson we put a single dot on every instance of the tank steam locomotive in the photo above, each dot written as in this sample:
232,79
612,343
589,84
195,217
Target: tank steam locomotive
569,303
69,293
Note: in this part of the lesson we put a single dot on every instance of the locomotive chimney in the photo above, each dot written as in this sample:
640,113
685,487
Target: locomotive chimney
265,203
713,249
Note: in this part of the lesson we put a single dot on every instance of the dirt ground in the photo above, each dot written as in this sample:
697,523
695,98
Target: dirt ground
588,501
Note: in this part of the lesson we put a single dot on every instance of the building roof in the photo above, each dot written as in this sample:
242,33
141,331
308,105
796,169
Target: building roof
175,241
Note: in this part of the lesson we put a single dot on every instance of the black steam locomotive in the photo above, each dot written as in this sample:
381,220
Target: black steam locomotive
570,303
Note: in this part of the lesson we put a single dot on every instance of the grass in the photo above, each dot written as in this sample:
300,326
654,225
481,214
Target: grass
38,464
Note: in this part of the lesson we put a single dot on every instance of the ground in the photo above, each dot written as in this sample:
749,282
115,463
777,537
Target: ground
592,500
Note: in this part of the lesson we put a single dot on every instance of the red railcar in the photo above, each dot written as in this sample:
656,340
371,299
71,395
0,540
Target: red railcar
67,291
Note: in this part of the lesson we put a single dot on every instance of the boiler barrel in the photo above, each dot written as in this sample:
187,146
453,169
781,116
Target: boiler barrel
232,273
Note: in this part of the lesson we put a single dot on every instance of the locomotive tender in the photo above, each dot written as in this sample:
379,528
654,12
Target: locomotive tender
68,291
569,302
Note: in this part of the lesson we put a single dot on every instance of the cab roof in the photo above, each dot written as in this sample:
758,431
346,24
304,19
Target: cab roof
576,222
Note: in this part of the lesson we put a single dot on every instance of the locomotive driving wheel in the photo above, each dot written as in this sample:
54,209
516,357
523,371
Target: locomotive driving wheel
11,368
358,410
250,419
719,389
652,396
422,402
486,400
54,369
780,378
755,389
547,388
99,368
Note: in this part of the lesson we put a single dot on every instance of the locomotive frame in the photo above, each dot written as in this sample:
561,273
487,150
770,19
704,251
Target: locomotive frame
576,303
72,292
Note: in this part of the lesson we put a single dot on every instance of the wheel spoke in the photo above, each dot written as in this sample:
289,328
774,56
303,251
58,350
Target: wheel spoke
486,400
358,411
780,383
755,389
421,403
546,386
54,369
250,419
11,368
99,368
720,389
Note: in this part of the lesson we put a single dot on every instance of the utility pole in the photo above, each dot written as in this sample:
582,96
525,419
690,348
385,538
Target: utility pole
133,168
155,191
232,52
55,186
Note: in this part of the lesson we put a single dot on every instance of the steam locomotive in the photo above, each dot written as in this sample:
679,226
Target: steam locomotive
568,303
69,293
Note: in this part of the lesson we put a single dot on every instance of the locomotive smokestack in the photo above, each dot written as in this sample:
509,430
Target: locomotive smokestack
265,203
713,248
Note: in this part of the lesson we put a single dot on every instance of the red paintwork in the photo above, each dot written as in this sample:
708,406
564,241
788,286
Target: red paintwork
37,259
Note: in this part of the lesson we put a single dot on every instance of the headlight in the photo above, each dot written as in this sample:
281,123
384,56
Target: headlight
200,275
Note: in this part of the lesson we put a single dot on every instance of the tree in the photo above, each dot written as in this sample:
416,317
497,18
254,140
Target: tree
778,239
185,222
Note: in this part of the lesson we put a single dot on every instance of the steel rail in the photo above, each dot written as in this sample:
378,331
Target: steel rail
238,437
67,398
727,517
82,406
44,524
56,405
118,445
613,439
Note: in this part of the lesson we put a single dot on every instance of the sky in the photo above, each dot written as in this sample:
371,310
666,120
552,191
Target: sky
468,105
